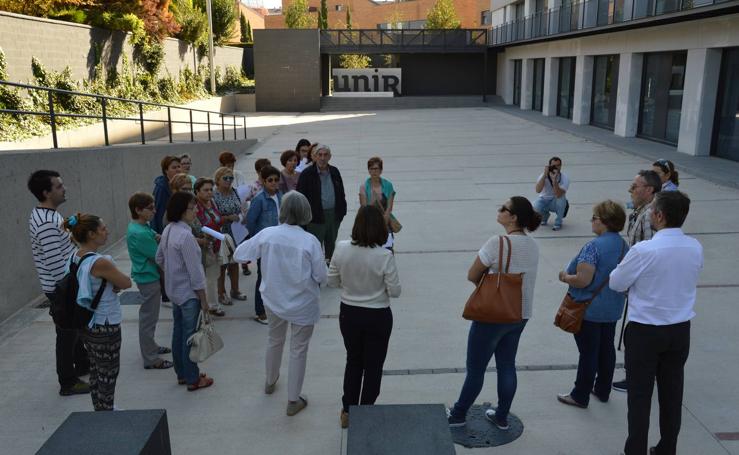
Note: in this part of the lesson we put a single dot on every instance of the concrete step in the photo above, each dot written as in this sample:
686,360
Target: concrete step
334,104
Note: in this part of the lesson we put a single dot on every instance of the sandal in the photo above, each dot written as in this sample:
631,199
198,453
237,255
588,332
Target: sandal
163,350
216,312
203,382
238,296
223,300
183,382
160,365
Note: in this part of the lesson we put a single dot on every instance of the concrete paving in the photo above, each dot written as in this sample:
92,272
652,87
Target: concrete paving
452,168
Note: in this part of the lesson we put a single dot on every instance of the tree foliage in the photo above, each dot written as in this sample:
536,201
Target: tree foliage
193,22
348,18
355,61
42,8
442,15
323,16
297,16
159,21
224,18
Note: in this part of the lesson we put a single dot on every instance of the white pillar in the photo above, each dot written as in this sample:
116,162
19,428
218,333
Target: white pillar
583,89
551,79
699,101
506,83
629,91
527,83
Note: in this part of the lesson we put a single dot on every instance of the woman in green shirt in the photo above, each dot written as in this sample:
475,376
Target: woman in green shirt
142,248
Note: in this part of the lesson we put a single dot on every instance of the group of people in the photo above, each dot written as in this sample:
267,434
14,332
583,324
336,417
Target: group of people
186,237
607,274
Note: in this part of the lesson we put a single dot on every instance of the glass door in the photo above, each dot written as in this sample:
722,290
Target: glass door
538,88
726,124
662,96
566,87
605,87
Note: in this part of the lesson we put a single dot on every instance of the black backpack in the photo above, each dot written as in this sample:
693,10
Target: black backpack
64,310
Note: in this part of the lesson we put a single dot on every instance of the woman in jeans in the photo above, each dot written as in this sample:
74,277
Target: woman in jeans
587,272
229,206
102,337
516,216
294,268
180,257
368,277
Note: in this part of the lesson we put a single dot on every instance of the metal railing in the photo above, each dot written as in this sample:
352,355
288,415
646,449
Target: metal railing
53,114
588,14
379,40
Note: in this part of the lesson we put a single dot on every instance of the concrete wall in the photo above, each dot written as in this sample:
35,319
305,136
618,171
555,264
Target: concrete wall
287,64
98,180
58,44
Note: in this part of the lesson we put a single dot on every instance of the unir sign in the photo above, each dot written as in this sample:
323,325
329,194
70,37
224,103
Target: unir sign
367,80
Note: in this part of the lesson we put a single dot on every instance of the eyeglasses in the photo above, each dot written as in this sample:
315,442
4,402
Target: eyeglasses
635,186
375,169
272,180
228,178
503,208
593,218
185,163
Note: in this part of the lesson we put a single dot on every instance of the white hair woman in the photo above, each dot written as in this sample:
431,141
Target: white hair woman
293,268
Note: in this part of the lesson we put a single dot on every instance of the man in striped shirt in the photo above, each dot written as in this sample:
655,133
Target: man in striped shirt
52,246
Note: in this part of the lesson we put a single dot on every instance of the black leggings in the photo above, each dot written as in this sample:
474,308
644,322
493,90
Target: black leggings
366,333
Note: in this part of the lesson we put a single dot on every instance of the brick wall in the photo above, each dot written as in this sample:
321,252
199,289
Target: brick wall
367,14
58,44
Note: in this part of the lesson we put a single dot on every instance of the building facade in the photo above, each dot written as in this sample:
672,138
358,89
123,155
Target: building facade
664,70
369,14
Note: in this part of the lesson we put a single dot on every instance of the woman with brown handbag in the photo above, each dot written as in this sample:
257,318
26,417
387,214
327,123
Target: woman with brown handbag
587,277
500,339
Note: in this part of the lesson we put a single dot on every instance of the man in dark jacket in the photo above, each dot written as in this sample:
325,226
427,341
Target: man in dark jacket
322,185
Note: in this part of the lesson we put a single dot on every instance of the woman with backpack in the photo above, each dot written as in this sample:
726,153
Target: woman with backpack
99,283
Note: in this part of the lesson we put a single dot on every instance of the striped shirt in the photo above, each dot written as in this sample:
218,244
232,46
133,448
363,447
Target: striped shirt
51,246
180,257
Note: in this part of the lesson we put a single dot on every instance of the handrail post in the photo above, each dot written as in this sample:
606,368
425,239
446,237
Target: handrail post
192,134
208,126
169,123
244,118
223,127
234,119
52,119
105,121
141,121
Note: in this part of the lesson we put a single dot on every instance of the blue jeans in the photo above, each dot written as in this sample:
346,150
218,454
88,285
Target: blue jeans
185,324
556,205
258,305
597,361
483,341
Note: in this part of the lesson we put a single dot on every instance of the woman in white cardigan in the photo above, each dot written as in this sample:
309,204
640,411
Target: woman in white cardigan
368,277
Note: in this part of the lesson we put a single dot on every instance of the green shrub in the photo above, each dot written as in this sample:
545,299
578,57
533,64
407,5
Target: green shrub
70,15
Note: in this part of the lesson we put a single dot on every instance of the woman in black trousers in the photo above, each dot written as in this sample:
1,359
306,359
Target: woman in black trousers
368,277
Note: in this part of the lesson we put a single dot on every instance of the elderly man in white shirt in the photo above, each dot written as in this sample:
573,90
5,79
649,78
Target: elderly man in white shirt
293,268
661,276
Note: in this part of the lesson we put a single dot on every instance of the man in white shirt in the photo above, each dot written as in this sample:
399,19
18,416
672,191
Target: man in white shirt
552,186
661,276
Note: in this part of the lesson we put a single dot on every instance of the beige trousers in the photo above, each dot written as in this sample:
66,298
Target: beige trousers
299,340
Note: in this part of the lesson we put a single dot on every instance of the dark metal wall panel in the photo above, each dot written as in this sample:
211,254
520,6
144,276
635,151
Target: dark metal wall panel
442,74
287,66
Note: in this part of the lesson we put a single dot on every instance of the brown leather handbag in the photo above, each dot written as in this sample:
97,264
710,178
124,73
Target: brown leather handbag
498,297
571,313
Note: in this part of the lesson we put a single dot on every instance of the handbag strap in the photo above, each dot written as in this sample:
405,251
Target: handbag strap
605,282
500,257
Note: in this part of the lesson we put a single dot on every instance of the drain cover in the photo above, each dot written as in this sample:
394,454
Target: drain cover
479,432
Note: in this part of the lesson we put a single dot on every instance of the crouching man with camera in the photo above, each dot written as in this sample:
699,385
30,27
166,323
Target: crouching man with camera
552,187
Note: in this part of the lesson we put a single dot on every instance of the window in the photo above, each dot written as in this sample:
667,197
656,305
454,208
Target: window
566,92
538,88
485,18
339,7
726,123
517,65
662,96
605,87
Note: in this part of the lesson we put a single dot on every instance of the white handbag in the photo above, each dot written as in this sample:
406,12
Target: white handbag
205,341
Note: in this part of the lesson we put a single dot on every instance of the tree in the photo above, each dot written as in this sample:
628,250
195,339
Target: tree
297,16
355,61
442,15
159,21
224,18
348,18
249,33
41,8
242,27
193,22
323,22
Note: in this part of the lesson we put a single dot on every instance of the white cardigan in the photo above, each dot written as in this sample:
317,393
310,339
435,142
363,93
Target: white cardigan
367,276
